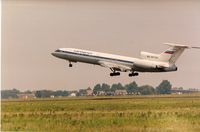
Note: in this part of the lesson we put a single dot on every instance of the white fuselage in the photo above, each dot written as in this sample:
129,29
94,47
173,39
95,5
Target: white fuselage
135,64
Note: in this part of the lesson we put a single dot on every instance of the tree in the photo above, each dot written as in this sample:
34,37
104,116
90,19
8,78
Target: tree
146,90
9,93
105,87
132,88
65,93
27,92
97,88
43,93
164,87
117,87
82,92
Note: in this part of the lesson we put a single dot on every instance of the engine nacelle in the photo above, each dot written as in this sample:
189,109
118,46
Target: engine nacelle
145,64
171,68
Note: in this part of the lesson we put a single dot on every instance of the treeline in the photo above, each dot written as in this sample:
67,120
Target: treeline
50,93
131,89
9,93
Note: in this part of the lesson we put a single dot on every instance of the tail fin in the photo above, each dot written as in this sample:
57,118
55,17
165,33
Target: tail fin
173,53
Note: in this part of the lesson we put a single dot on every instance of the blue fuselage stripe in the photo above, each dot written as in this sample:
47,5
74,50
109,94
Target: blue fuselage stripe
99,57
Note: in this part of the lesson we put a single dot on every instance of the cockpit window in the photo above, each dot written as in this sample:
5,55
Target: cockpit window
58,50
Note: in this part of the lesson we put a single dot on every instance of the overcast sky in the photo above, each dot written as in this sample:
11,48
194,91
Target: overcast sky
32,29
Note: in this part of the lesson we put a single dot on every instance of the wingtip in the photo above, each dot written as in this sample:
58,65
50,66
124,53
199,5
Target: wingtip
177,45
180,45
195,47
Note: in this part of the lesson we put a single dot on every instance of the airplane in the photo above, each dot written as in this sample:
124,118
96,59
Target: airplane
149,62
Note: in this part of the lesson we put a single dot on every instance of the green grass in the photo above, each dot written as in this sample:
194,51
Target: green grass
140,113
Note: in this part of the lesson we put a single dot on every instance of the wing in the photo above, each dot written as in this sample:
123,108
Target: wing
115,66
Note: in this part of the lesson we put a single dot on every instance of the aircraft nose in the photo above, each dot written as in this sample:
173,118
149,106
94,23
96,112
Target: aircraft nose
54,54
58,55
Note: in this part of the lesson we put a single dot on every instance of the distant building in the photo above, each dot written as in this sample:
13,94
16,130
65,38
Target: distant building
183,91
89,92
101,93
72,95
52,96
193,89
120,92
26,95
110,93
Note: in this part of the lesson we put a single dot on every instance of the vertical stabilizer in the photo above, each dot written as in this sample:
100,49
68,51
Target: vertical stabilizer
173,53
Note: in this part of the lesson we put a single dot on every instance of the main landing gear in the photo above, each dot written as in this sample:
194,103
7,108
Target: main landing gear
133,74
114,73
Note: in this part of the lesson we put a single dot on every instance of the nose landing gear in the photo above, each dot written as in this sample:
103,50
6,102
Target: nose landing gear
70,65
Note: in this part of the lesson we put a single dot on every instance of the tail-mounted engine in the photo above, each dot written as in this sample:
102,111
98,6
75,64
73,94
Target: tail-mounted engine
149,56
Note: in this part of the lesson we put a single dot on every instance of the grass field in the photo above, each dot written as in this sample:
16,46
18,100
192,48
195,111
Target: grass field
117,114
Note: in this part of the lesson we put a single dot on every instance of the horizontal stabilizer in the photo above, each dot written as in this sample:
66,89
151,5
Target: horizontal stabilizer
196,47
181,46
173,53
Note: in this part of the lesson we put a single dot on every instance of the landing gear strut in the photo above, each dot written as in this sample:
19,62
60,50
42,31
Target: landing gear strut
114,73
70,64
133,74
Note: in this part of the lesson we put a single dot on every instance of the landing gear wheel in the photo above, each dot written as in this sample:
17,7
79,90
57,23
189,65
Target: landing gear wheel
70,65
130,75
133,74
115,74
136,74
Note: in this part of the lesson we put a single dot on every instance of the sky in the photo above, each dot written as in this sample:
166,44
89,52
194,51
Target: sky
33,29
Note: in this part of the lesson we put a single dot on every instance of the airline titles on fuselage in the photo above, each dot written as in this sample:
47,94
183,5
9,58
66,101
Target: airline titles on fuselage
82,52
